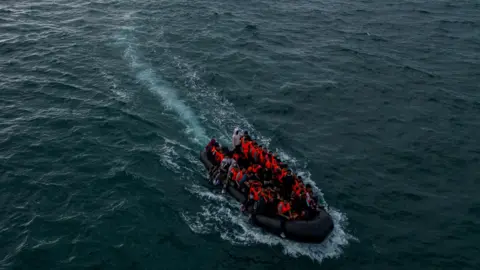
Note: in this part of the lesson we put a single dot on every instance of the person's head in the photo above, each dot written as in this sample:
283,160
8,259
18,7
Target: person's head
308,187
300,178
289,172
255,143
236,132
245,132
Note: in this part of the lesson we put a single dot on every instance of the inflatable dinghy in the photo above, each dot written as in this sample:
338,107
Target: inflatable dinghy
311,231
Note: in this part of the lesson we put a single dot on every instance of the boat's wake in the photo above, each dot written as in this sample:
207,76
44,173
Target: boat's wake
220,214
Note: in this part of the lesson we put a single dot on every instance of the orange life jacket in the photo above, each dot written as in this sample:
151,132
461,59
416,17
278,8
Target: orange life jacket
246,147
255,190
261,158
275,164
219,157
284,207
253,152
238,176
268,164
256,168
234,173
298,190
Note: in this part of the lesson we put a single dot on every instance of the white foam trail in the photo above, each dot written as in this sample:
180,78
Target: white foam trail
155,84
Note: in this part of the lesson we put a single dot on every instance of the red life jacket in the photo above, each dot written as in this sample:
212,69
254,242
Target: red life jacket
219,157
261,158
268,164
236,156
253,152
285,207
234,173
296,187
256,168
238,176
246,147
255,190
274,162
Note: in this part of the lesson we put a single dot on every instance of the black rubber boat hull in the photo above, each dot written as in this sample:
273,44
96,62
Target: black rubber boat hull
312,231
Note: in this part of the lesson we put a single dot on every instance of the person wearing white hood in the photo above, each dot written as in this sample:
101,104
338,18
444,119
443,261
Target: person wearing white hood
236,142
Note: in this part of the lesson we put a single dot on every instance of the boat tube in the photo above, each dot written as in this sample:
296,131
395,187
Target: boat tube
311,231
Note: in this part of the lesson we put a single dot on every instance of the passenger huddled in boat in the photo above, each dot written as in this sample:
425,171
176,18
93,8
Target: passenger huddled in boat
266,182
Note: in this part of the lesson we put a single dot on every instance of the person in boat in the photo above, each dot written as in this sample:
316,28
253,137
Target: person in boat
245,181
216,157
299,203
284,209
254,193
288,182
237,175
267,178
223,168
233,170
209,147
254,153
236,140
242,160
269,202
246,135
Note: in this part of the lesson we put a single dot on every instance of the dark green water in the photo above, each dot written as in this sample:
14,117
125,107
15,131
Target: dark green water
104,106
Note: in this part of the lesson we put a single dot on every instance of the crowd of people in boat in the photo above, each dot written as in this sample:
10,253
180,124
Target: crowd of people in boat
269,185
